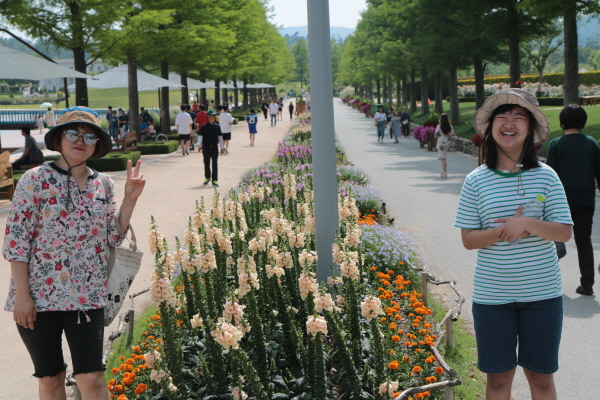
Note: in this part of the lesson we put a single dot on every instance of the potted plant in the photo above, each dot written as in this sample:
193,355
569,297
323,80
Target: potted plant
300,106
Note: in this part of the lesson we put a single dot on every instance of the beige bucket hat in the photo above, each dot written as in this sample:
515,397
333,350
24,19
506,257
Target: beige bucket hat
513,96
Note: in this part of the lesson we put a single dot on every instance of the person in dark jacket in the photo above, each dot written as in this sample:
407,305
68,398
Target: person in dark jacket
576,159
210,140
265,107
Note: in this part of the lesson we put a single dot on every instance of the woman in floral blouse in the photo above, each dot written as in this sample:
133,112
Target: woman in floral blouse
57,240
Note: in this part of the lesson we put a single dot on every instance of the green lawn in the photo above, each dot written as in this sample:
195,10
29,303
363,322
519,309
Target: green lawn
467,115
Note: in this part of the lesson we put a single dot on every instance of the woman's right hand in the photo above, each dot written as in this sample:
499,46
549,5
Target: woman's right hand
24,311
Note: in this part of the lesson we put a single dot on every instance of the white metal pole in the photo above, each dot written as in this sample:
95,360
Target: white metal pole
323,134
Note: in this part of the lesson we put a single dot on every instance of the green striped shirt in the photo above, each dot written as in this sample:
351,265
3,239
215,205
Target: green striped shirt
507,273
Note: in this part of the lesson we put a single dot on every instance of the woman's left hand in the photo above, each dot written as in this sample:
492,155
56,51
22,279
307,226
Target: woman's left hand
135,182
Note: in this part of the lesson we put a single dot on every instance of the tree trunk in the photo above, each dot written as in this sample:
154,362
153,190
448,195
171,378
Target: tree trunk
185,95
134,103
235,94
391,90
385,90
225,96
514,52
571,77
454,104
424,94
479,88
217,91
413,91
202,91
165,117
399,93
439,105
378,91
81,93
245,95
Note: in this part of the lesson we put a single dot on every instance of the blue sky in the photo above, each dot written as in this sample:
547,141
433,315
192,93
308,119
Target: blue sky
344,13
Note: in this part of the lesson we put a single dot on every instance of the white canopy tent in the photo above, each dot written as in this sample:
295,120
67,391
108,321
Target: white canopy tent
18,65
118,78
191,83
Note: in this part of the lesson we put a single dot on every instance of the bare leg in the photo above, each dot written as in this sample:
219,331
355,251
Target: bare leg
53,387
444,166
182,144
499,385
92,386
541,385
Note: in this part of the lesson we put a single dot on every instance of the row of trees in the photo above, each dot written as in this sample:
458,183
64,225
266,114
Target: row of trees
202,39
398,39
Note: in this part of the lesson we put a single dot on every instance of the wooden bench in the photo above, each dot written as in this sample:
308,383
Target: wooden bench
6,176
123,144
590,100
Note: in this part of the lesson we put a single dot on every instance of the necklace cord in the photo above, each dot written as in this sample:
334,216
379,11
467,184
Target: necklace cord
520,188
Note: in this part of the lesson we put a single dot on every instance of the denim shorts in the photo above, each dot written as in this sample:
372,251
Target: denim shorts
44,341
522,333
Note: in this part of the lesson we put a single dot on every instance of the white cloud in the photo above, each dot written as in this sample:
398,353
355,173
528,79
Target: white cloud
344,13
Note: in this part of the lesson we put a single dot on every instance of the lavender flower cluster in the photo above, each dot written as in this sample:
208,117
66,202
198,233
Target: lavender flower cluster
353,175
387,246
294,154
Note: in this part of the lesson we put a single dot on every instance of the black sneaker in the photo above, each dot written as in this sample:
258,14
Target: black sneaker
215,183
584,290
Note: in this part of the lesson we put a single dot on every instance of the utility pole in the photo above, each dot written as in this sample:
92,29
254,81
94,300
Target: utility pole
323,135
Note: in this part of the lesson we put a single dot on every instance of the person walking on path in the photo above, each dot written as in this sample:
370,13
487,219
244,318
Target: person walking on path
201,119
291,110
273,107
395,125
50,121
280,110
517,296
226,123
576,159
390,114
265,108
39,120
209,141
188,109
252,120
113,125
380,123
109,113
183,122
444,132
71,220
405,120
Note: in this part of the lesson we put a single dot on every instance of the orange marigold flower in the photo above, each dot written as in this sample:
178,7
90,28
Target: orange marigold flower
122,358
130,361
392,351
395,338
439,370
431,379
137,349
156,317
393,326
394,365
401,262
114,371
416,369
141,388
397,317
383,319
390,272
405,359
373,268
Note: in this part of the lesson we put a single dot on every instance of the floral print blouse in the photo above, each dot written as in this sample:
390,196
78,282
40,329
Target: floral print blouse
67,252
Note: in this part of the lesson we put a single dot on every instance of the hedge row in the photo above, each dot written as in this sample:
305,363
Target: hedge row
557,79
544,101
158,147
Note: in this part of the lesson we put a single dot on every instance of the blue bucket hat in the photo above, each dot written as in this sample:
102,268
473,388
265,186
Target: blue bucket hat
81,115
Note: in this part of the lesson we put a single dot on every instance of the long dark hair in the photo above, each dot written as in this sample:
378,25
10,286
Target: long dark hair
445,124
530,159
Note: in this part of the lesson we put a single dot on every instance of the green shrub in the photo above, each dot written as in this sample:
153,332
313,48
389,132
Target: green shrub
544,101
158,147
116,161
172,136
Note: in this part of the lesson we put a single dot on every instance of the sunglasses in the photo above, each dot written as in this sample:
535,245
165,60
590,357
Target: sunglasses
89,138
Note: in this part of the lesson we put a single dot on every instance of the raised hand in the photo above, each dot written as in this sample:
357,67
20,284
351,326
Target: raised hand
135,182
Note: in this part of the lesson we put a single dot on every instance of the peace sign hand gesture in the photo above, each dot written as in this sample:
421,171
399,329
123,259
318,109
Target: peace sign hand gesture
135,182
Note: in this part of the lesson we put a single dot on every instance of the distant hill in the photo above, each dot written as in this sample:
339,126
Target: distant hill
588,30
336,31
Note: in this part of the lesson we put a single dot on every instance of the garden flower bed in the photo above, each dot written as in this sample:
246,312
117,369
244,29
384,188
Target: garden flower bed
241,315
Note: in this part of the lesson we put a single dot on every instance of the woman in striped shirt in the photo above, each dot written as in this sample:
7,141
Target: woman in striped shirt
517,296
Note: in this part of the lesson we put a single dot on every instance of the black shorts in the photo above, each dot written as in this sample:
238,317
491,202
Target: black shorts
227,136
44,341
185,137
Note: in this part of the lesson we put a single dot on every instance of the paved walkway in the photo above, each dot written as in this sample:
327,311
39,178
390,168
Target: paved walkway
174,183
424,206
